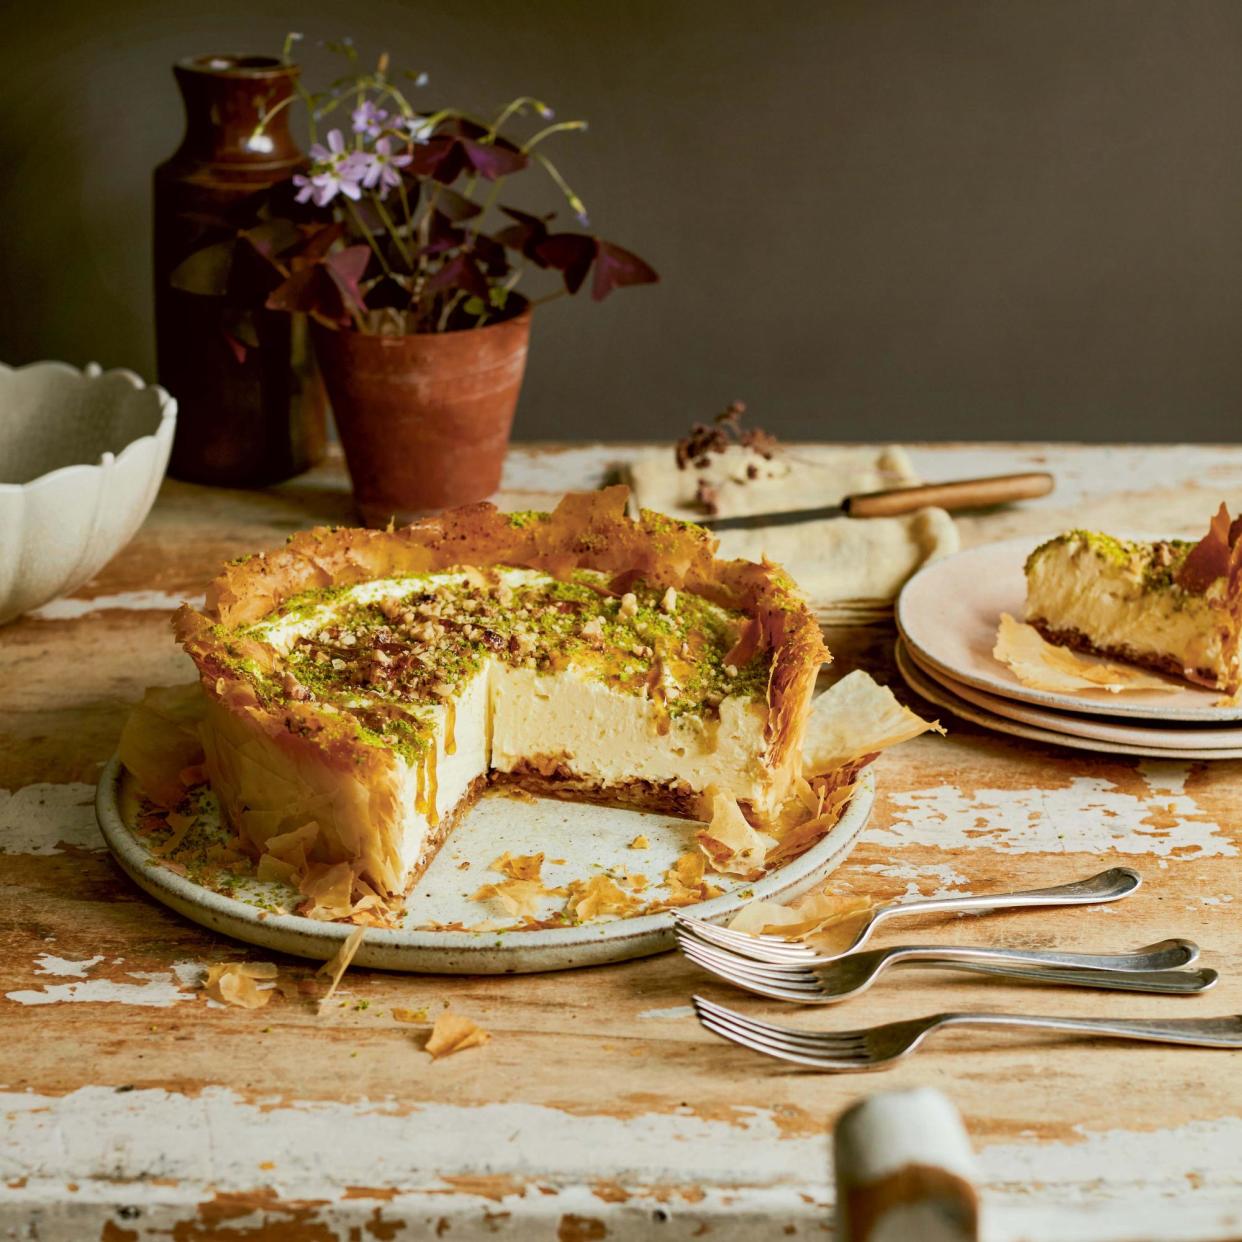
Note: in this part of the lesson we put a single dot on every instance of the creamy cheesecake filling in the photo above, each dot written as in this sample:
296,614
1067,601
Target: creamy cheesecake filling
1120,597
462,673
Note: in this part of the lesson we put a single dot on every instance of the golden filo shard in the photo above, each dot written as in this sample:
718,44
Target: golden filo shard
453,1032
160,739
1039,664
856,717
731,845
808,916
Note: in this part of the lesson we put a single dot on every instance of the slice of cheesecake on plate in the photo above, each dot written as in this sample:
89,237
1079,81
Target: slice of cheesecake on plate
1172,605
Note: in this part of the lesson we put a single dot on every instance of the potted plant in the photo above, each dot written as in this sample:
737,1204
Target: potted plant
397,244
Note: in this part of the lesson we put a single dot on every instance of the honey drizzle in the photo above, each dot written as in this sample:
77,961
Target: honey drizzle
429,768
450,726
420,786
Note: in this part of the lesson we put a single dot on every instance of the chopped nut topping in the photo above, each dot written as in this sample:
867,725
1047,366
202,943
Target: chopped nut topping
294,688
383,657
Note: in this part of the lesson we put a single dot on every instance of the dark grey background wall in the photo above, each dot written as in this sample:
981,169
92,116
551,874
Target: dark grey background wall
1007,218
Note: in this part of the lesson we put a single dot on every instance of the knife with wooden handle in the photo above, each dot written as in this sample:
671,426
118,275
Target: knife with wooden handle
962,494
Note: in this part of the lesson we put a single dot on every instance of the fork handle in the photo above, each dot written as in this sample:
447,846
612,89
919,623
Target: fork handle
1110,885
1166,955
1205,1032
1167,982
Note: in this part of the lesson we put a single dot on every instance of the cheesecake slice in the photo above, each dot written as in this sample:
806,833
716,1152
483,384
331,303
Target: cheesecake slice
1173,605
363,687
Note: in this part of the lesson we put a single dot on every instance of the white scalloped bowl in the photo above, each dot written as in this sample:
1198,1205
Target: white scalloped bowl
82,454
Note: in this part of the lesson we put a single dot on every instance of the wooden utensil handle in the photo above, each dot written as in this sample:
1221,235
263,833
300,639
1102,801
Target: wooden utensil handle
963,494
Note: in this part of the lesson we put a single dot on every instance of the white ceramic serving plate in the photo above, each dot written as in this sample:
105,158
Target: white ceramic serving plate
587,838
1194,737
936,693
949,612
82,454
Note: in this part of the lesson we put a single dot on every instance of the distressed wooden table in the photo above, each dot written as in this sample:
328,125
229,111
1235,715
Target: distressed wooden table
133,1109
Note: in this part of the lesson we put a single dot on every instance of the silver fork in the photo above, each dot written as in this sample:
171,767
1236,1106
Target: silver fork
876,1047
1151,969
1110,885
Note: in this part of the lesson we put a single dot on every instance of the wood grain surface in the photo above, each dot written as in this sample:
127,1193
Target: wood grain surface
133,1108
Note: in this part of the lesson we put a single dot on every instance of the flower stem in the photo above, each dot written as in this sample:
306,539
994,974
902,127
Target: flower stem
391,225
574,201
516,106
366,232
553,129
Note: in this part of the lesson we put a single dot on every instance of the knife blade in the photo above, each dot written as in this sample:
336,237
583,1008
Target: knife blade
956,495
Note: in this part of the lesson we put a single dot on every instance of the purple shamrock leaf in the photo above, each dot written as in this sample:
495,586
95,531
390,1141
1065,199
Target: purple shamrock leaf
527,234
455,207
346,267
616,267
571,254
460,272
493,160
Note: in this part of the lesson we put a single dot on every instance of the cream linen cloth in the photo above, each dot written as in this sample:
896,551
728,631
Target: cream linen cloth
848,568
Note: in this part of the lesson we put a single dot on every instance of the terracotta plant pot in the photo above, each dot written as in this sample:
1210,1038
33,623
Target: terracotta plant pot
424,419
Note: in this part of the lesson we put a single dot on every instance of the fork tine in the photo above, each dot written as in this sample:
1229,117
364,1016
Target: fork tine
728,1020
763,948
743,941
831,1041
761,938
814,1056
777,971
761,985
730,964
781,1054
740,942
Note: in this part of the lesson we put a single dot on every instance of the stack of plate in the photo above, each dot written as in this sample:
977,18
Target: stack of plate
848,612
947,617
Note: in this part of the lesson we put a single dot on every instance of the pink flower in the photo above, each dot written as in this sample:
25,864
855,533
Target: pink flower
379,168
336,170
368,119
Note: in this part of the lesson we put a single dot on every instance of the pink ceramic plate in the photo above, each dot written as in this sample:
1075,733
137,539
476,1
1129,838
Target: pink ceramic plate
944,698
1098,728
948,614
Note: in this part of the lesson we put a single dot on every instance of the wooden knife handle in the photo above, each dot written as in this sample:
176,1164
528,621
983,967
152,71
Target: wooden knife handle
963,494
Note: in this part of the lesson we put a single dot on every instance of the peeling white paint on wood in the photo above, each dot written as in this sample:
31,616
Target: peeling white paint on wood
1088,816
42,818
113,1145
1127,1161
160,988
674,1011
218,1139
130,601
947,879
62,967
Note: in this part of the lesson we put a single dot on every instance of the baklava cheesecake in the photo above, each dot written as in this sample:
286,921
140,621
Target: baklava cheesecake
372,683
1173,605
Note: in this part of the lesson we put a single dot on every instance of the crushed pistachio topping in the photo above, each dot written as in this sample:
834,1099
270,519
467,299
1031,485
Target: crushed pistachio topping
1154,564
390,652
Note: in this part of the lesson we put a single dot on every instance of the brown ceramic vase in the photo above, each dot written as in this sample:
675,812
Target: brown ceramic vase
256,418
424,419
